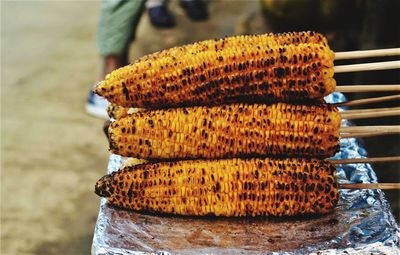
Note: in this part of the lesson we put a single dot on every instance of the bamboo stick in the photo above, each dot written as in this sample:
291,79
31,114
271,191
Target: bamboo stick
364,160
370,113
384,109
367,67
367,53
368,100
369,185
366,134
363,129
367,88
368,131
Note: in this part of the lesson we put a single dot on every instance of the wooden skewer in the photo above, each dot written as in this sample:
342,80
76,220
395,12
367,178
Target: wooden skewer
368,131
367,100
364,160
367,67
369,110
364,129
370,113
365,134
367,53
367,88
369,185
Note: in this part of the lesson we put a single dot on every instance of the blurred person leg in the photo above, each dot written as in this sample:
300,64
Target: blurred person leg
116,30
196,10
159,14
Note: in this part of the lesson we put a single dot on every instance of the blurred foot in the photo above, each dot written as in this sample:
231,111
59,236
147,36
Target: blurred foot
97,106
161,17
196,10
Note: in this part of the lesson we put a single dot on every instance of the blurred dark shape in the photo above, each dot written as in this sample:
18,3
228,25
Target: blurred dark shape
380,24
337,19
196,10
358,23
161,17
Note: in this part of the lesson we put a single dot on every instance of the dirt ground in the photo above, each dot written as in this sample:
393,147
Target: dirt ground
52,152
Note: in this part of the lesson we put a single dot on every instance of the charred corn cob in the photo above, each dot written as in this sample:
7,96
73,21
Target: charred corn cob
289,38
230,187
237,130
243,68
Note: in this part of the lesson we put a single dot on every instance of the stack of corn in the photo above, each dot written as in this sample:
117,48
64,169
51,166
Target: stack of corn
238,127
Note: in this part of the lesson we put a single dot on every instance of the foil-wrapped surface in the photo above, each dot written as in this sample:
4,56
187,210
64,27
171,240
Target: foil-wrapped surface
361,223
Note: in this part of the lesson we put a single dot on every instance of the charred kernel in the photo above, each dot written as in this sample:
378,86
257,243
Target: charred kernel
217,186
280,72
327,188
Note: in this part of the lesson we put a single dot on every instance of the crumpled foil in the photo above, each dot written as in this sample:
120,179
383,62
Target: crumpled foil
361,223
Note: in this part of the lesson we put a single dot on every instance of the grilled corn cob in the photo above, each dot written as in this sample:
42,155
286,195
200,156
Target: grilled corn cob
237,130
244,68
230,187
289,38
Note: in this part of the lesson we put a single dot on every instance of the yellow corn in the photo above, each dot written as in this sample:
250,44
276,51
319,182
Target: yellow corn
242,68
294,38
118,112
230,187
237,130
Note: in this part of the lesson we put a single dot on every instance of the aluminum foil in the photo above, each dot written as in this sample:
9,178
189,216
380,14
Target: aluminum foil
361,223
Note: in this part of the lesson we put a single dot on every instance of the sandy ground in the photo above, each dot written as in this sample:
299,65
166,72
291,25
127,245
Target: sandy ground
52,152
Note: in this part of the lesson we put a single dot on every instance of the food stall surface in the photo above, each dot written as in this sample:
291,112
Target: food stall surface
362,222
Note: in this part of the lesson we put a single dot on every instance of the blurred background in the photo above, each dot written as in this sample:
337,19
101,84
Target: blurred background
52,151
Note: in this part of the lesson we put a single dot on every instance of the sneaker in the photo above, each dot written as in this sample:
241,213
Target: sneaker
196,10
161,17
97,106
